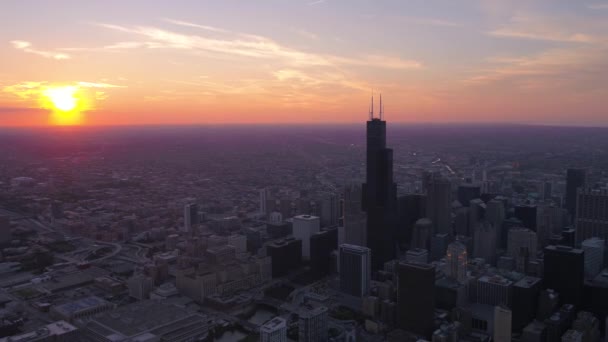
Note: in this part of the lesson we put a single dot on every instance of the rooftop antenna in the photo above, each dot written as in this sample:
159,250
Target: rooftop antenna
381,109
371,112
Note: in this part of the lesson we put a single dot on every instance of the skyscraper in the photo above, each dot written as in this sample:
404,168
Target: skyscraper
502,324
564,272
379,192
353,220
591,214
190,216
594,256
575,178
274,330
355,270
456,262
304,226
417,298
439,203
313,324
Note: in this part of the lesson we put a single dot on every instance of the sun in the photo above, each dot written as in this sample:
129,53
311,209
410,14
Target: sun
62,98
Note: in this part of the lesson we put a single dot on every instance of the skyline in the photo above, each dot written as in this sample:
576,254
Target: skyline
274,62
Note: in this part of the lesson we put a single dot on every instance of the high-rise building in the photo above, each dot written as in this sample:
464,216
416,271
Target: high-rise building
484,246
354,218
418,255
411,208
564,271
322,245
439,245
549,222
140,286
467,192
355,270
527,214
591,214
274,330
379,193
525,301
304,226
263,201
575,179
416,298
286,255
313,324
190,216
456,262
439,202
572,336
521,246
502,324
421,235
594,256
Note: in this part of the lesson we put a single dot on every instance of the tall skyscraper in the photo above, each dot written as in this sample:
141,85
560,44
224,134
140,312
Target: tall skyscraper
575,178
456,262
355,270
439,201
274,330
263,201
313,324
502,324
594,256
304,226
417,298
591,214
353,221
564,272
190,216
521,246
484,242
379,192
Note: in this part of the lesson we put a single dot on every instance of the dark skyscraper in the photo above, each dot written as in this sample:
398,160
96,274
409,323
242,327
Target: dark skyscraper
564,272
379,193
575,178
416,298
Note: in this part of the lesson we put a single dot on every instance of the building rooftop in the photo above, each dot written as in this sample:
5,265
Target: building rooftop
273,325
76,306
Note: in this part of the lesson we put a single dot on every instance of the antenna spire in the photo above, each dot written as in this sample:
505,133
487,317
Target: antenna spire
381,109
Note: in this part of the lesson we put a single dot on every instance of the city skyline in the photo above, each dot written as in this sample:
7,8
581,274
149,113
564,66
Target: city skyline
112,63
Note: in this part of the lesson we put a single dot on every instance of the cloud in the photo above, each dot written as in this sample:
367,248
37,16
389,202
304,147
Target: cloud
432,22
306,34
598,6
33,90
542,29
189,24
98,85
316,2
27,47
249,46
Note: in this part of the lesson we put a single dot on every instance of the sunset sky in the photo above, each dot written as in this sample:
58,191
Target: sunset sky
294,61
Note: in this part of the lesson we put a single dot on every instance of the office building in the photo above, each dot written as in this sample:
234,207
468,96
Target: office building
439,245
536,331
484,237
527,214
80,308
521,246
572,336
418,255
263,201
312,324
502,324
439,202
140,286
411,208
304,226
456,260
492,290
286,255
564,271
591,214
421,236
594,256
274,330
416,295
322,245
524,305
588,325
354,219
468,192
575,179
379,193
550,221
190,216
355,270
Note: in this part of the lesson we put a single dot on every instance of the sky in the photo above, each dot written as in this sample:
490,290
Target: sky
141,62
